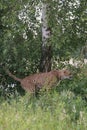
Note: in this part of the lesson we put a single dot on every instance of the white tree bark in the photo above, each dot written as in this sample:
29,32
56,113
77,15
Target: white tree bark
45,64
45,29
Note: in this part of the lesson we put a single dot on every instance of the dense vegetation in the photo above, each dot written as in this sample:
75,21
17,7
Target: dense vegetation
65,106
51,111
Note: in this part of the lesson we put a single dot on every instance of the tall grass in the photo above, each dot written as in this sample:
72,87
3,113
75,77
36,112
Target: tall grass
51,111
64,108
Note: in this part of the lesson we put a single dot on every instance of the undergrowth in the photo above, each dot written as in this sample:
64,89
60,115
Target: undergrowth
51,111
63,108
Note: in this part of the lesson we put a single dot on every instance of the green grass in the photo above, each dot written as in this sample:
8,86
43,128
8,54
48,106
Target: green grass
51,111
64,108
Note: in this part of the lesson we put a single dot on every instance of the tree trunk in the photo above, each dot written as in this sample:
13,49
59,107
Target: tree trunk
46,48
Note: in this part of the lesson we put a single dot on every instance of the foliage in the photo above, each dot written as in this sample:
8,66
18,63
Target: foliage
69,27
20,50
21,35
20,31
63,107
50,111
